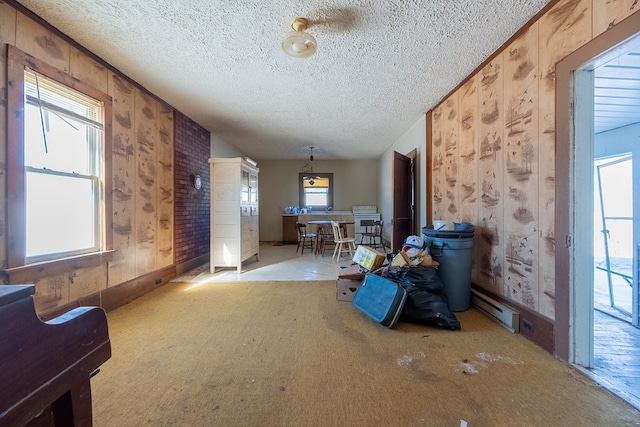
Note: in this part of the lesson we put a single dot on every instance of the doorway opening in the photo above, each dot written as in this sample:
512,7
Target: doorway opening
604,261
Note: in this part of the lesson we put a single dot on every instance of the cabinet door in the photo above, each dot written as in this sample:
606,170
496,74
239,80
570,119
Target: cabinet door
244,187
289,229
246,237
255,234
253,188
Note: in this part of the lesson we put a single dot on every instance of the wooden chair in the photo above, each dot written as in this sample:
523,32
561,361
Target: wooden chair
373,234
325,237
305,240
343,244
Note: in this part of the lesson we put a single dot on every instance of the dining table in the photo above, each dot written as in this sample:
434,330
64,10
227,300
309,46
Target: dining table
342,222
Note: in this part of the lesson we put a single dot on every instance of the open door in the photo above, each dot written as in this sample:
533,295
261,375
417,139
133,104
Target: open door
614,256
402,221
598,232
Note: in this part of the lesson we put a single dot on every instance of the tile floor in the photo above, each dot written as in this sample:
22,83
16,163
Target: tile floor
276,262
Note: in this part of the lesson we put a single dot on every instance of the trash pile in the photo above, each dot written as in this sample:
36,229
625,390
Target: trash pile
408,288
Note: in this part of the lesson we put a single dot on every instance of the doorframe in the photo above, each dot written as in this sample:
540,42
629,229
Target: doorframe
570,312
404,197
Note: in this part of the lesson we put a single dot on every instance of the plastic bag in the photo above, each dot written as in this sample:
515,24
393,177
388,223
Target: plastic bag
421,276
425,307
425,302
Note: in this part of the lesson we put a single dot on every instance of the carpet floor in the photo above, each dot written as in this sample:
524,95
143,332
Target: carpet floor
288,354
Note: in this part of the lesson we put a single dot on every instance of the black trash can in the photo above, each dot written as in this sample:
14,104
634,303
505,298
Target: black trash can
453,249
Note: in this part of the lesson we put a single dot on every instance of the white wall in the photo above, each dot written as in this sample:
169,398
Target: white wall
220,148
355,183
414,138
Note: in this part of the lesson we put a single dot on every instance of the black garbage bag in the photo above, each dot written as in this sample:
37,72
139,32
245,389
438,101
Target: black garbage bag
420,276
423,306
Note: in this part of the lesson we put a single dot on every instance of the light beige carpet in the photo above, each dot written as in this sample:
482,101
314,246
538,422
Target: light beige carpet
289,354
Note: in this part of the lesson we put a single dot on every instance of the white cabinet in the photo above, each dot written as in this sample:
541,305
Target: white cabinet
234,212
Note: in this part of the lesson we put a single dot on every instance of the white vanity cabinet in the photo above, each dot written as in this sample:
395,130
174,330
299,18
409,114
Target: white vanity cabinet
234,212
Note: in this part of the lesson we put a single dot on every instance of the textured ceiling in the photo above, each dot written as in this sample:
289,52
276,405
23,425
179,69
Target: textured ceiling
380,64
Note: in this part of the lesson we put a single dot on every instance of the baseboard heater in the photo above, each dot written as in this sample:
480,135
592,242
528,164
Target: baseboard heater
504,315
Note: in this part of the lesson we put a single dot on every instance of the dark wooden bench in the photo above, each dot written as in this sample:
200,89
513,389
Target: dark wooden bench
45,367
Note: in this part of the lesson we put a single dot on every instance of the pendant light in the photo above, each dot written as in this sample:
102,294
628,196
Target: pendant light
297,43
310,175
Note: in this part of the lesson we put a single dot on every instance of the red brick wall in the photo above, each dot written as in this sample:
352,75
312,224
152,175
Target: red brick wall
192,226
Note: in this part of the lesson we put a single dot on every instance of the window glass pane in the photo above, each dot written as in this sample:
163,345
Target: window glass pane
316,196
49,91
67,145
61,214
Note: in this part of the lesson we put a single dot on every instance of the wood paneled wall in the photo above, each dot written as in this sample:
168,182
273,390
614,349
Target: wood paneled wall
142,169
493,142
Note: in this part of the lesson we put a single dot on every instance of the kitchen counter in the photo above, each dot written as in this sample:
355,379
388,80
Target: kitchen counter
289,229
322,213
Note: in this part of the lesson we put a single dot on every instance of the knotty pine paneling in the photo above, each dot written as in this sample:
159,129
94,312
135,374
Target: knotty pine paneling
52,292
146,189
165,198
87,281
468,140
608,13
42,43
515,227
521,172
490,230
85,68
562,30
123,172
61,289
8,16
468,165
437,175
450,134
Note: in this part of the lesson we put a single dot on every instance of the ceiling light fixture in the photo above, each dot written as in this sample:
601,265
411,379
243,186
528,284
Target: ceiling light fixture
297,43
309,169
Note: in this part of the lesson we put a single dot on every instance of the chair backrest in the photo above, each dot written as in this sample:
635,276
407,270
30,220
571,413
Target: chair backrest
337,230
302,229
325,231
378,227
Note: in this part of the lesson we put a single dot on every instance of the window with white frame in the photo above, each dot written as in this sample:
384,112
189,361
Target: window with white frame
63,173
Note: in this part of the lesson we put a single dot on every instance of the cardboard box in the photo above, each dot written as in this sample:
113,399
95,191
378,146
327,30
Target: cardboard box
353,272
368,258
402,259
346,289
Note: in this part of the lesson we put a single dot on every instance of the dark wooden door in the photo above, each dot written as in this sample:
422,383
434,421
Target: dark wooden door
401,200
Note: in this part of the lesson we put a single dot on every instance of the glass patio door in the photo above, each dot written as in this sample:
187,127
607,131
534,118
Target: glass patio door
616,247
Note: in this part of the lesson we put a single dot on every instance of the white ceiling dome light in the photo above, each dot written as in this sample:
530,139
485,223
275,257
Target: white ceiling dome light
297,43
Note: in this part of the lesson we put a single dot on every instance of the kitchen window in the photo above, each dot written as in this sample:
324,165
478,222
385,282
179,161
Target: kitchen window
58,167
316,191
